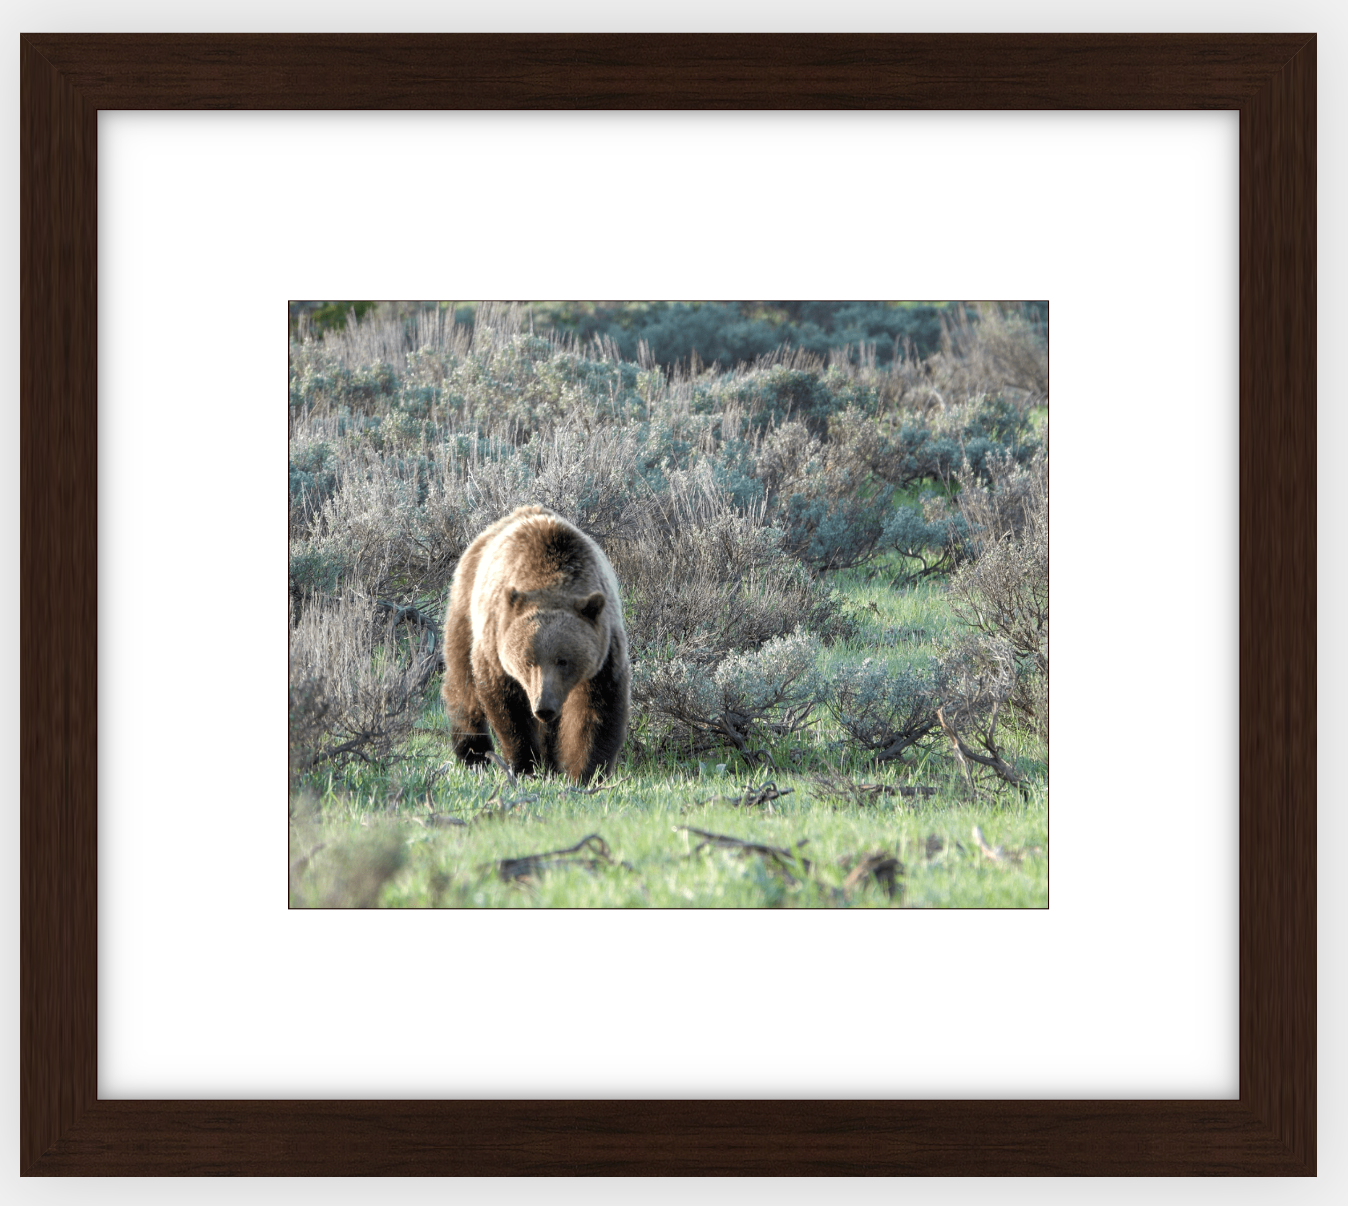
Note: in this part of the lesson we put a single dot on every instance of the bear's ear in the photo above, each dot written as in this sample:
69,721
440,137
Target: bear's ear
589,606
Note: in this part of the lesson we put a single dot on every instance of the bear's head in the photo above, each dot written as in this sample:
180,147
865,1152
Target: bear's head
551,644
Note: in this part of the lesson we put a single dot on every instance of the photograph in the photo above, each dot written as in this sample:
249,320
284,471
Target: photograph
668,604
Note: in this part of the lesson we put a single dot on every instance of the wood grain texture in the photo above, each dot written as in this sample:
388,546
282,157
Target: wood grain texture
660,71
58,571
1277,603
65,79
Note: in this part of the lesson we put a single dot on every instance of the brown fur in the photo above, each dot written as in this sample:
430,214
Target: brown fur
535,650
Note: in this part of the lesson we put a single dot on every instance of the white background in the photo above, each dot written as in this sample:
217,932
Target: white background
1131,860
1126,987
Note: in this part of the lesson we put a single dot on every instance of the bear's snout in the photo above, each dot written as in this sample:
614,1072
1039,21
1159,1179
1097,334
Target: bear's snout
547,705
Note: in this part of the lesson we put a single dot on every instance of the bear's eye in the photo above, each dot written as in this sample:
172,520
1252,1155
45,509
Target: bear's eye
561,663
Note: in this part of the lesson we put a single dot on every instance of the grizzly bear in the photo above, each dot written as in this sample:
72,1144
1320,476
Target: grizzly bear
535,648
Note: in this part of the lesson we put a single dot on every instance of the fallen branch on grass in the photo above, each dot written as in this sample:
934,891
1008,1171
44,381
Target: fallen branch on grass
830,784
501,807
752,796
504,808
529,865
594,791
880,865
999,854
787,860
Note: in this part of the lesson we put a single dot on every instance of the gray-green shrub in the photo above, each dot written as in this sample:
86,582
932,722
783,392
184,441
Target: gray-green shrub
723,498
885,709
742,698
357,683
1001,593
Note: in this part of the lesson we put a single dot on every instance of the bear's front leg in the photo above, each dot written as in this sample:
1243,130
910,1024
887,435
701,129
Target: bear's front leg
594,722
513,722
470,738
468,733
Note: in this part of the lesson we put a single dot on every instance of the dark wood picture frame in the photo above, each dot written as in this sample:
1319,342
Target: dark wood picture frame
66,79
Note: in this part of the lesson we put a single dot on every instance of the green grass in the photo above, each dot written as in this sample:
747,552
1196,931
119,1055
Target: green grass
387,836
651,856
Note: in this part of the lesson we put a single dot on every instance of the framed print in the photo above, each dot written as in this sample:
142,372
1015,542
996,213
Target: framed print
67,80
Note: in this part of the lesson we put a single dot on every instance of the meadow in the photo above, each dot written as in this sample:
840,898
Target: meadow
835,580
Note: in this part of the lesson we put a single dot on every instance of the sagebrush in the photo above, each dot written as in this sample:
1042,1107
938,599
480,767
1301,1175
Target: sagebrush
758,510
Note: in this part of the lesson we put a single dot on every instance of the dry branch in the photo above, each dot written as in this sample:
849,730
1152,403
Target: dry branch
997,855
993,759
880,865
830,784
505,766
596,789
443,820
786,860
752,796
529,865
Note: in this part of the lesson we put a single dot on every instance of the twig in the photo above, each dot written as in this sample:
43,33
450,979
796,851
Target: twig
443,819
722,841
594,791
408,615
992,759
997,856
753,796
528,865
501,762
347,747
838,785
959,748
754,758
883,866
